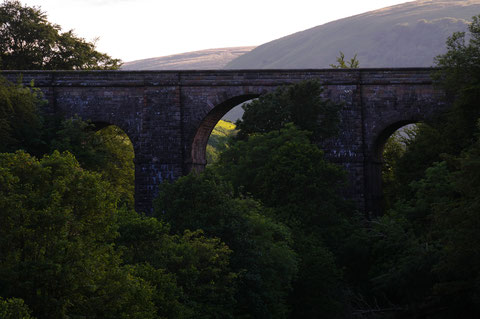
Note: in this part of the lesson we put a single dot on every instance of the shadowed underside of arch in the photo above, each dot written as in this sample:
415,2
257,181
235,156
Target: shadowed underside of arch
386,134
200,140
375,163
169,115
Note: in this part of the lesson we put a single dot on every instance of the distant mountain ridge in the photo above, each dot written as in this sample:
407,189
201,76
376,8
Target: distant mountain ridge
405,35
203,60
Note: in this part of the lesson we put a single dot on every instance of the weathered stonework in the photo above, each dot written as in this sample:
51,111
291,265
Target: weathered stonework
169,115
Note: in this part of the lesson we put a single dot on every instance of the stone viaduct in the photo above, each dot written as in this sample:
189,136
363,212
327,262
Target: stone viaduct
169,115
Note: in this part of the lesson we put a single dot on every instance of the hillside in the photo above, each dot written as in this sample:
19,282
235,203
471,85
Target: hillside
218,140
205,59
406,35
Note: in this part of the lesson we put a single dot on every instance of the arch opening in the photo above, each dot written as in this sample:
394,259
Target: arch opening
388,148
111,153
214,130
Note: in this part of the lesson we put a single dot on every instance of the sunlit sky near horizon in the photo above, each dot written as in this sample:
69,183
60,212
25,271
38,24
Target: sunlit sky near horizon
139,29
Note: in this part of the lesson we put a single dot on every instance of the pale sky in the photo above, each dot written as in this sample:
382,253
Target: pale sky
137,29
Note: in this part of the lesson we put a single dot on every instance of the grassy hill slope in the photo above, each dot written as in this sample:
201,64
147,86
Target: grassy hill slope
406,35
218,140
201,60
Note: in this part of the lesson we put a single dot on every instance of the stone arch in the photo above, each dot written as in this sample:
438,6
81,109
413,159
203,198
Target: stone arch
101,123
374,164
385,134
162,112
196,158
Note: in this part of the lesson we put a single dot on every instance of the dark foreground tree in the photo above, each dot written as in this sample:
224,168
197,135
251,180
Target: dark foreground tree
14,308
191,273
28,41
107,151
57,226
286,171
20,120
289,174
262,254
24,125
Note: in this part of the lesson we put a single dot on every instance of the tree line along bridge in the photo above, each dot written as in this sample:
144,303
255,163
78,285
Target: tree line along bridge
169,115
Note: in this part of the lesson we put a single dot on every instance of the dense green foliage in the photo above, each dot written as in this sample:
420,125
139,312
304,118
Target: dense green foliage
289,174
14,308
57,229
190,272
24,125
107,151
20,123
29,42
262,254
277,163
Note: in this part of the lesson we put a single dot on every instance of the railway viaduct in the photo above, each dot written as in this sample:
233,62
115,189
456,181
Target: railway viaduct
169,115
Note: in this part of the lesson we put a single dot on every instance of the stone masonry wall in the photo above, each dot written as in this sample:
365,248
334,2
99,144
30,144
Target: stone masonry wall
169,115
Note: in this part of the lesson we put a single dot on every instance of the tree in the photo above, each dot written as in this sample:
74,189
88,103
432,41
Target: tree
262,254
455,222
107,151
341,64
289,174
286,171
300,104
28,41
57,226
14,308
24,125
20,120
453,131
191,272
458,73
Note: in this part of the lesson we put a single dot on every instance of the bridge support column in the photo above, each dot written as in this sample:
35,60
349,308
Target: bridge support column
148,176
373,188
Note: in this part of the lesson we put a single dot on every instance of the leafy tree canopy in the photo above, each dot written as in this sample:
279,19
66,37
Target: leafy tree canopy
57,226
191,272
289,174
14,308
20,120
286,171
28,41
107,151
262,253
460,68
